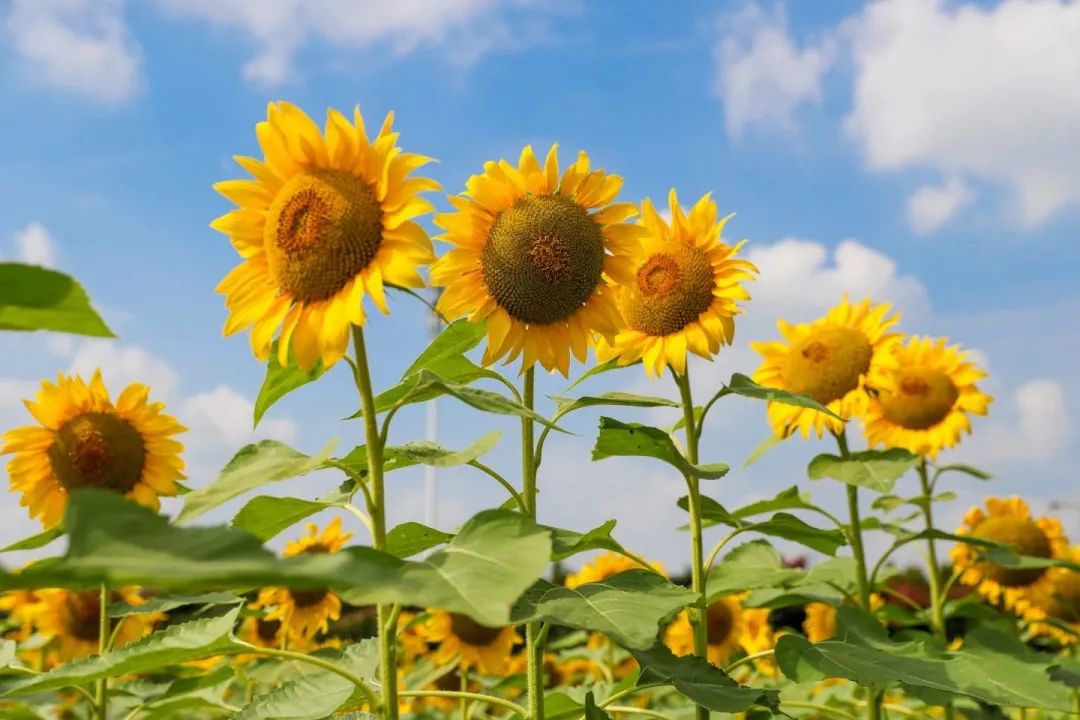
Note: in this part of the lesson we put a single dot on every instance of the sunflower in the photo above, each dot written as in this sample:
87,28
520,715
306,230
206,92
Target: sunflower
304,613
820,622
72,619
1058,599
324,222
21,608
87,441
1008,521
923,403
487,649
604,566
828,360
411,640
259,631
725,622
686,283
536,256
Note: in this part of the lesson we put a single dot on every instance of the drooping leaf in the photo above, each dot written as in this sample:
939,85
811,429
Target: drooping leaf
37,298
628,606
171,602
965,469
253,466
413,538
617,438
743,385
874,469
282,380
34,542
749,566
701,682
265,516
781,525
565,543
618,399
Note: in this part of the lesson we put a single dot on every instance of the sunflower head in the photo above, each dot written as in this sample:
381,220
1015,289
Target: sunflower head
605,565
325,220
72,619
471,644
1057,598
330,540
84,440
683,294
820,622
725,623
829,360
924,402
535,255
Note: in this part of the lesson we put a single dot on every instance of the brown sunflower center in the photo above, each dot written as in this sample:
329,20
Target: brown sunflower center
1025,536
267,630
543,259
323,228
827,364
671,291
81,614
923,398
720,622
98,450
472,632
308,598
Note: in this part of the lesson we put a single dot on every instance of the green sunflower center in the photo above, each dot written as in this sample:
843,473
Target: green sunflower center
827,364
543,259
472,632
308,598
82,614
1025,536
923,398
720,623
672,290
323,228
98,450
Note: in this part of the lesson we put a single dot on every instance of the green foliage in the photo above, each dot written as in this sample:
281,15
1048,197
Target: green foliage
781,525
704,684
749,566
744,386
617,438
413,538
282,380
36,298
876,470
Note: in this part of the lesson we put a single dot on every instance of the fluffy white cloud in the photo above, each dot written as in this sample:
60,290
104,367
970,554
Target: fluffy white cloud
123,364
983,92
1039,429
227,415
280,28
80,46
34,245
762,76
931,206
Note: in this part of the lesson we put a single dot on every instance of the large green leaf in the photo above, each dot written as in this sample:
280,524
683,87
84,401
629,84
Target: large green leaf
749,566
265,516
788,499
743,385
34,542
164,603
781,525
456,339
704,684
423,452
255,465
280,381
413,538
874,469
36,298
617,399
617,438
565,543
175,644
628,606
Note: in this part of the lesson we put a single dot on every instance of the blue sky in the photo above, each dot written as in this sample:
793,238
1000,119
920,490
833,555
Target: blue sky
901,148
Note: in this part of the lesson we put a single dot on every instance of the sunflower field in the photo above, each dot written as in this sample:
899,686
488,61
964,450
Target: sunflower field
541,267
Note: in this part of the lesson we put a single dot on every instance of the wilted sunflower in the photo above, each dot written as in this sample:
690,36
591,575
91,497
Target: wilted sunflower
686,283
535,255
304,613
72,619
828,360
604,566
1058,598
725,630
474,646
922,404
86,441
325,221
1008,521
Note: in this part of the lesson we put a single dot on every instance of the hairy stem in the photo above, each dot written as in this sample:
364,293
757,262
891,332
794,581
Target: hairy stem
534,639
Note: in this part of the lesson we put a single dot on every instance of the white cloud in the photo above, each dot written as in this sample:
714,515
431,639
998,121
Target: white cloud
931,206
1039,429
79,46
227,415
981,92
281,28
762,76
34,245
124,364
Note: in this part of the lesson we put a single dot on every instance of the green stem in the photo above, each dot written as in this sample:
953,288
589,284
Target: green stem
823,709
476,697
103,647
377,511
937,598
631,710
630,691
317,661
502,481
748,659
698,615
534,640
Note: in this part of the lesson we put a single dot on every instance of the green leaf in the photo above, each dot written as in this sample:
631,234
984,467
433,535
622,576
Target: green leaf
266,516
628,606
762,448
966,470
788,499
413,538
36,298
592,710
456,339
254,465
166,603
176,644
633,440
781,525
565,543
612,364
699,681
618,399
750,566
34,542
423,452
280,381
874,469
742,385
315,695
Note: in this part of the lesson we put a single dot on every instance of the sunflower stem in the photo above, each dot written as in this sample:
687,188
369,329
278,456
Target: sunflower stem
698,615
937,598
103,646
377,510
534,637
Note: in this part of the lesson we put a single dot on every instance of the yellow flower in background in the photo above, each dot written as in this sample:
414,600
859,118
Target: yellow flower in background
828,360
22,608
1008,521
304,613
325,221
72,619
474,646
726,628
605,565
412,642
535,255
924,402
820,622
682,298
1058,598
757,637
86,441
259,631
